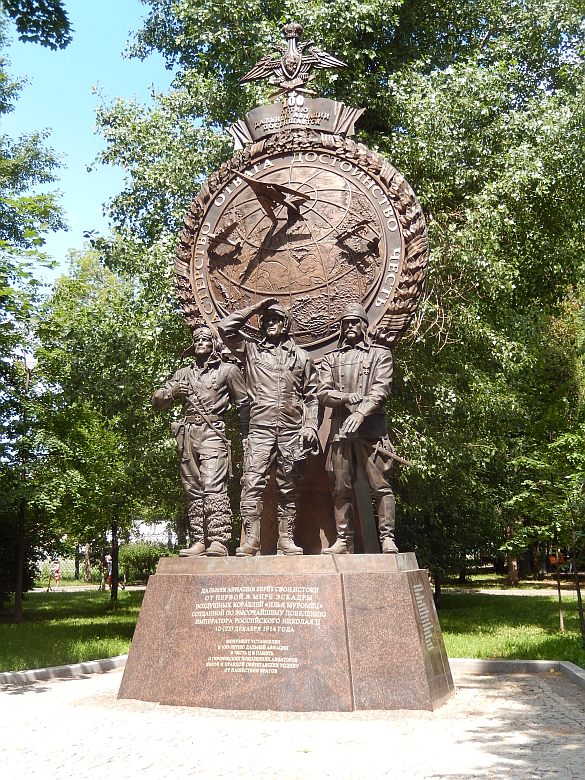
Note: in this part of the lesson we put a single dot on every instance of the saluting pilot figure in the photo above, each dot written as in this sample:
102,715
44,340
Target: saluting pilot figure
281,382
355,381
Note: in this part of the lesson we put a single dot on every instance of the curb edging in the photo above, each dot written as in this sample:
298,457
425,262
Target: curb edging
574,673
69,670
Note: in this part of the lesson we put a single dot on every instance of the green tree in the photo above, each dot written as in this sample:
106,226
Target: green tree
24,219
481,105
39,21
110,456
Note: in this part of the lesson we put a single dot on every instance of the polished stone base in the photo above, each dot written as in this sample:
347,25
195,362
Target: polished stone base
327,633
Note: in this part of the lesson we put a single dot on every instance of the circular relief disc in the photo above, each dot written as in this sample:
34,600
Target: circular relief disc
316,221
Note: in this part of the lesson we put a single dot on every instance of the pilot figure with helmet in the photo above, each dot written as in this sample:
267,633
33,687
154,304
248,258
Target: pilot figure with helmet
281,383
355,382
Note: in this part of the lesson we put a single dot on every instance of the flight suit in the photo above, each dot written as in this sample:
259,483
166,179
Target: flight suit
364,370
281,383
202,448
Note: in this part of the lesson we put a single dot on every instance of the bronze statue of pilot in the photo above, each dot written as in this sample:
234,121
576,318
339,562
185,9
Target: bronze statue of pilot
205,388
281,382
355,381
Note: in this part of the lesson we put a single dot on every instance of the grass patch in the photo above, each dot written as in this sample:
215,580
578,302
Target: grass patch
66,583
480,625
63,628
491,580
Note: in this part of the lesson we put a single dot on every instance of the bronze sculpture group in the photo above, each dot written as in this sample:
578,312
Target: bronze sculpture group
278,395
303,213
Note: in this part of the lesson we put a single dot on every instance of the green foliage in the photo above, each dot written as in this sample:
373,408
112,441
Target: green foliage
8,558
40,21
26,214
481,105
25,163
138,560
101,346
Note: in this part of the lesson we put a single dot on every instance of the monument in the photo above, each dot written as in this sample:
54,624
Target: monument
326,242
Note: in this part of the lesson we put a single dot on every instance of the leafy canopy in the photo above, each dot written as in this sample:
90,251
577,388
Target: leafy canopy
481,105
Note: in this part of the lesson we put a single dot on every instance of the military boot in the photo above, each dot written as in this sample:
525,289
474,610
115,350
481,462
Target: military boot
339,547
343,512
252,544
217,550
218,518
197,549
389,545
286,528
386,523
195,515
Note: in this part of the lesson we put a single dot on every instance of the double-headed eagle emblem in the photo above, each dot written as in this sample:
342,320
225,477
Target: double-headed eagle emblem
291,72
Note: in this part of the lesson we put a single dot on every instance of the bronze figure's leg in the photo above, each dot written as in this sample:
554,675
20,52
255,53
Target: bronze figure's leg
191,481
261,445
341,471
288,479
195,517
217,510
377,467
218,516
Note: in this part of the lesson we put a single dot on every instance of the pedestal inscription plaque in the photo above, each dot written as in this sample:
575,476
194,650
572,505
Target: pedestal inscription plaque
289,633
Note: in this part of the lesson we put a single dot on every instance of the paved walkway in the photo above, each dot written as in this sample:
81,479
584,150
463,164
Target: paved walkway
81,588
551,592
497,726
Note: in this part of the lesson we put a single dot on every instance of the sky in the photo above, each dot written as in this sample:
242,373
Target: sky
59,97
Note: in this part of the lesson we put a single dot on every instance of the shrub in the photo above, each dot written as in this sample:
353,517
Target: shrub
138,560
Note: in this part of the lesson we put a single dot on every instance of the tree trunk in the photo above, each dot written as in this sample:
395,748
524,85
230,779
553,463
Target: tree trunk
580,606
87,564
535,558
19,584
181,528
437,591
561,615
462,579
18,589
542,562
512,571
575,559
115,547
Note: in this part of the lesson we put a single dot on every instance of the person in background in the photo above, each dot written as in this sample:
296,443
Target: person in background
57,573
109,565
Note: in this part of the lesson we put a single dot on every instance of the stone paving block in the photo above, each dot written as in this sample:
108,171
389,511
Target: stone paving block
497,727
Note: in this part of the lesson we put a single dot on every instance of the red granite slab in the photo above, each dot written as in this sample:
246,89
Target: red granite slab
329,633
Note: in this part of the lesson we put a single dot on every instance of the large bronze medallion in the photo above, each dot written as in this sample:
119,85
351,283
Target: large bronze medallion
307,216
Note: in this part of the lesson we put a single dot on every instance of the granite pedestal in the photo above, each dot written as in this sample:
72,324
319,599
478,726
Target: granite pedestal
327,633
